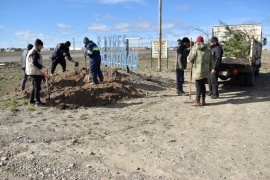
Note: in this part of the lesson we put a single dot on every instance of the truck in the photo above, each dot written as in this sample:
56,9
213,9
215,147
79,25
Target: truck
242,68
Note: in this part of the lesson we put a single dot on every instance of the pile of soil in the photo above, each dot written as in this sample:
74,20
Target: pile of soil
71,89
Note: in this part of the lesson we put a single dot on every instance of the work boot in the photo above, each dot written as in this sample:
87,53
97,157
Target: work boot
40,104
92,84
197,102
181,93
31,102
203,101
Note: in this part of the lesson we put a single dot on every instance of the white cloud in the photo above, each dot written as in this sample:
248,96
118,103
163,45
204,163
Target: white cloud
24,34
63,26
95,27
137,26
29,35
167,26
68,32
121,26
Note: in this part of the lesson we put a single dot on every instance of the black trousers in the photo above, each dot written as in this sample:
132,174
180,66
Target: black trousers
213,84
35,93
179,79
62,62
200,88
25,77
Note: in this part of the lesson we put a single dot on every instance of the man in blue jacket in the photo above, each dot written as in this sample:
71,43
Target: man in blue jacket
58,56
93,52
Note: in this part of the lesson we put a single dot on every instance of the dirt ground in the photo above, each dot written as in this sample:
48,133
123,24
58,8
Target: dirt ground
157,135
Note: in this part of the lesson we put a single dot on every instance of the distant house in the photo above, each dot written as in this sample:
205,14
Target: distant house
2,49
12,49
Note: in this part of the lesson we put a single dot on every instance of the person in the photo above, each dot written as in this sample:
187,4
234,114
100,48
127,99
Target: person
200,57
58,56
23,62
217,53
181,64
33,68
93,52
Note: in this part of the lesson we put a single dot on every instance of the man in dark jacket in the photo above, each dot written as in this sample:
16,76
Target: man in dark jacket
58,56
93,52
181,64
23,61
217,53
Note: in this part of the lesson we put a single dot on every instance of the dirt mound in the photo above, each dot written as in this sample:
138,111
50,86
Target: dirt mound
72,89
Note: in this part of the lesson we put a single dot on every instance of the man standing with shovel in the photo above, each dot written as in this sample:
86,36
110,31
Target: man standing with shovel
34,65
93,52
201,60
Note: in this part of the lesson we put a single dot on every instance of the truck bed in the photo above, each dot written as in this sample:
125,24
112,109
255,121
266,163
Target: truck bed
235,60
255,53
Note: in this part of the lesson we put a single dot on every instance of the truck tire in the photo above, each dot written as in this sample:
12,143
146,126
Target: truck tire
223,78
241,79
256,73
250,79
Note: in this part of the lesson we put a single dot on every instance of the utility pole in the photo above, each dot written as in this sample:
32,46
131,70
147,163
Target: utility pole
73,44
159,33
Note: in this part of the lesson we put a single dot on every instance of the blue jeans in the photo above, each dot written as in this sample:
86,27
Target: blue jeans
179,79
25,77
35,93
95,71
213,84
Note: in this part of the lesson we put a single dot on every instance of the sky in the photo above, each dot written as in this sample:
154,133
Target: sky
56,21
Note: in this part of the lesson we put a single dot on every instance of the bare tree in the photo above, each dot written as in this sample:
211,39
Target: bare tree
206,32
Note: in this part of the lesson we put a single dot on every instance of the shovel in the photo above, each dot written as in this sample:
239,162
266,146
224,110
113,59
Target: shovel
87,72
46,75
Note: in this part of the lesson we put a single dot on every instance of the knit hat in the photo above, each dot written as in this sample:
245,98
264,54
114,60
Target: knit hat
29,46
67,43
199,39
214,39
185,39
85,40
38,42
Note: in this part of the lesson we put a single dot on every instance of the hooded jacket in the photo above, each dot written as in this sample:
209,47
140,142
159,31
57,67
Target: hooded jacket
59,52
181,59
23,58
34,62
200,57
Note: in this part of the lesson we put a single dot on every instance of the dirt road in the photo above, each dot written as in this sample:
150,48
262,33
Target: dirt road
159,136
